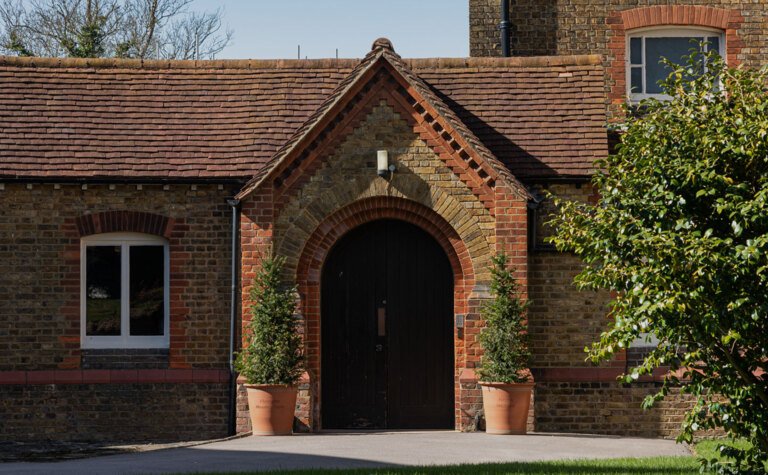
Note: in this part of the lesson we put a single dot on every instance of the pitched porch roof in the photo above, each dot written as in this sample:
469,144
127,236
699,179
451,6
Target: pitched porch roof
382,55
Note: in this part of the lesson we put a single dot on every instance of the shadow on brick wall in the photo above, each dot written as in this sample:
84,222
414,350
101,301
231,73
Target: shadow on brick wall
534,25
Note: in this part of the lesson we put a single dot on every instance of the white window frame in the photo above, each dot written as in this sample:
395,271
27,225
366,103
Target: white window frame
666,31
125,340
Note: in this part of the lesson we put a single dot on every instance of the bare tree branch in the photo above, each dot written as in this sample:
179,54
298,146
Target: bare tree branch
13,37
122,28
196,36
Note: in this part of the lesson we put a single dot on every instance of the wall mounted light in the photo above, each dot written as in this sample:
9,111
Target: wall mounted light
459,321
383,167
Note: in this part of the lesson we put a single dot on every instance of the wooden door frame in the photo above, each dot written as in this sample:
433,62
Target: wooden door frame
396,263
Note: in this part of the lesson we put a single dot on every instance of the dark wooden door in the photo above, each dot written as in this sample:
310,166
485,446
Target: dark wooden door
387,330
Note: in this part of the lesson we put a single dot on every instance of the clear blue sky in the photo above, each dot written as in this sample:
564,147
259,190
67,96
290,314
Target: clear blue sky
274,28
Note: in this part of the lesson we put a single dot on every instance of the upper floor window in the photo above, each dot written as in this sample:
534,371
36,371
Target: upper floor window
646,49
124,291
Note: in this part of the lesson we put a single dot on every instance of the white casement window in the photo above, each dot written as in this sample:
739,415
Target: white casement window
124,291
646,48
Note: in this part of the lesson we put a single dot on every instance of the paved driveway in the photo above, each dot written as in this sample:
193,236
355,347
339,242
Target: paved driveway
356,450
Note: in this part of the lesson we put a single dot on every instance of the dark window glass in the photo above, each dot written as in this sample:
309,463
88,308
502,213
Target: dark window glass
673,49
637,80
636,50
147,291
714,44
102,290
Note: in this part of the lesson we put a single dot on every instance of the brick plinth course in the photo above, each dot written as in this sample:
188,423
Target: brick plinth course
113,412
607,408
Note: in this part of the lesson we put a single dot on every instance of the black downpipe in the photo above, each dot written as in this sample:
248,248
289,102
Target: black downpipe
235,204
504,27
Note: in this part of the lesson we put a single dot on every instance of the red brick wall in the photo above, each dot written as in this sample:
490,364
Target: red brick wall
40,233
430,188
567,27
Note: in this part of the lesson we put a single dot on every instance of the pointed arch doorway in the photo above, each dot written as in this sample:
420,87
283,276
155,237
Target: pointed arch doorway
387,330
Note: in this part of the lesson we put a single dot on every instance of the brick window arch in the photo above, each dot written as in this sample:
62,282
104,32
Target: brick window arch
623,23
125,221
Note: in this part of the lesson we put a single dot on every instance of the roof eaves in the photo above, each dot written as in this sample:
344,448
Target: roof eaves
325,109
455,123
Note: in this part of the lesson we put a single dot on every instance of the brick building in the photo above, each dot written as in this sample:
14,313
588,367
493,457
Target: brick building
606,27
630,36
131,190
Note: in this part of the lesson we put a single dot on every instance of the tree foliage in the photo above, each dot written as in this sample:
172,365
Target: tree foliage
162,29
505,338
680,233
273,351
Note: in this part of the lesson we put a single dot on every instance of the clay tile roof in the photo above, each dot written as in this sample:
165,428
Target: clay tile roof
449,115
541,116
225,119
313,119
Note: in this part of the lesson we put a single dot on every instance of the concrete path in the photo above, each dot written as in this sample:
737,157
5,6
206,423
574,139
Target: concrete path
356,450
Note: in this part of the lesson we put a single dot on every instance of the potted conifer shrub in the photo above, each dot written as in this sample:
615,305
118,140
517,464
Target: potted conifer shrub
272,359
504,373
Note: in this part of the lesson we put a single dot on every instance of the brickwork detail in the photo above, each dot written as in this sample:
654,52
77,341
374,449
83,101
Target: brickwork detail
729,21
607,408
562,319
339,190
421,176
568,27
40,310
124,221
151,358
113,412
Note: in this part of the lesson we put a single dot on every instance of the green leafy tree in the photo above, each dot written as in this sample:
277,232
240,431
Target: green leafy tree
273,351
505,337
88,42
15,45
680,233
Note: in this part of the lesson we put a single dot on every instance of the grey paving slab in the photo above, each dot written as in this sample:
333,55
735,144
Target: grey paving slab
356,450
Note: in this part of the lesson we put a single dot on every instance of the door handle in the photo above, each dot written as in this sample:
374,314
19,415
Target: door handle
381,321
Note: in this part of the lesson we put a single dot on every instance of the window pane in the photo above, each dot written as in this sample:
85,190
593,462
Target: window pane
672,49
714,44
636,51
637,80
147,290
102,290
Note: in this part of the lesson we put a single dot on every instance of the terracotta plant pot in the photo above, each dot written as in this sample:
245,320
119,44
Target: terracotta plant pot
506,407
271,408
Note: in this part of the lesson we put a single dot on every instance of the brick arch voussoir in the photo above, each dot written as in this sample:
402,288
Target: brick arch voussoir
683,15
366,210
125,221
